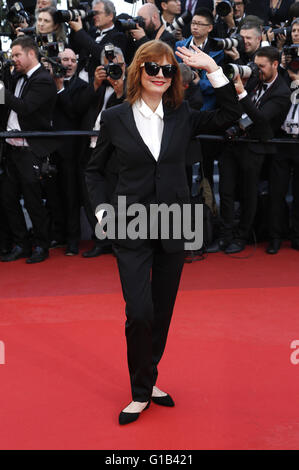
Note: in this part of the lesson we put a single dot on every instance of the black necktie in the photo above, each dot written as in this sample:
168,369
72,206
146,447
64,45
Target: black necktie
25,79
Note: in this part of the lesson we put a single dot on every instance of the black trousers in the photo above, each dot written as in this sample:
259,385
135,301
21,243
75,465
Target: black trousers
85,201
22,177
150,280
283,167
63,202
238,167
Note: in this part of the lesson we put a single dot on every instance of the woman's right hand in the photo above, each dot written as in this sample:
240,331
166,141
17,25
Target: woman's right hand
197,60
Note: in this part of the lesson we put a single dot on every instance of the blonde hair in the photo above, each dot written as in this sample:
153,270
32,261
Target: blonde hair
153,51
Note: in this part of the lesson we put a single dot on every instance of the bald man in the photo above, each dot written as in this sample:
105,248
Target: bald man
154,29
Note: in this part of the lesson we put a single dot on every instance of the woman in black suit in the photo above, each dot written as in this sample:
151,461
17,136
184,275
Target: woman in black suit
148,137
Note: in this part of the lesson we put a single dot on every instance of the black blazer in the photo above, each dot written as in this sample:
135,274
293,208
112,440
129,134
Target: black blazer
140,177
268,116
35,108
71,106
89,118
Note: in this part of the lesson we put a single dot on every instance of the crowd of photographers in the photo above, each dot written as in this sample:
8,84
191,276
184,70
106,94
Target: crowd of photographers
67,66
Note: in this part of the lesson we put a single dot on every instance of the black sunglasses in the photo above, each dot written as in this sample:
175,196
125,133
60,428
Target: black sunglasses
152,69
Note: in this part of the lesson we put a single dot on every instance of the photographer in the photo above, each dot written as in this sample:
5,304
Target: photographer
169,10
192,6
290,54
284,167
232,21
201,26
29,106
90,45
45,24
153,29
74,97
110,85
252,36
17,17
49,35
264,110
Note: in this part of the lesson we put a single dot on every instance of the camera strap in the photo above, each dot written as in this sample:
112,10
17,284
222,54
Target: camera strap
160,32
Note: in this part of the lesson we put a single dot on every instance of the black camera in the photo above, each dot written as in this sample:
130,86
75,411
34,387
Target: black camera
75,10
5,64
292,57
224,8
227,44
285,30
48,45
17,14
49,49
131,23
244,71
30,31
239,129
54,66
179,23
112,70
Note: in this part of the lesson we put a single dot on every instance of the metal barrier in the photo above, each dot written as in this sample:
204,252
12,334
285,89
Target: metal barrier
219,138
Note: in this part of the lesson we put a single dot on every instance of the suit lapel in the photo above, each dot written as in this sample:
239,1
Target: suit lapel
24,90
170,118
128,120
269,90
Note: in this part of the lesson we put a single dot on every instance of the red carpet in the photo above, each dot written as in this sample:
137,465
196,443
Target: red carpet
227,362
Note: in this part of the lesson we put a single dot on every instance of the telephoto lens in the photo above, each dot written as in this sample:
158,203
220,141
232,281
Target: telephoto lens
244,71
180,22
227,44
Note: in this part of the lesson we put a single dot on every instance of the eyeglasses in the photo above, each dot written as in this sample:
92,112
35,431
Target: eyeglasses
195,23
152,69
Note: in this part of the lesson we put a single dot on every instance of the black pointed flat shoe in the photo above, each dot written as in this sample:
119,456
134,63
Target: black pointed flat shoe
163,401
127,418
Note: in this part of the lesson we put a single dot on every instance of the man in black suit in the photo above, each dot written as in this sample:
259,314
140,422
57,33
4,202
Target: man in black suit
29,106
266,106
74,97
154,29
170,9
109,93
201,27
90,46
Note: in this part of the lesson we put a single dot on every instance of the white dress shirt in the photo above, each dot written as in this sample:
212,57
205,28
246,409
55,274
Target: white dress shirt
150,125
101,33
200,46
13,121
